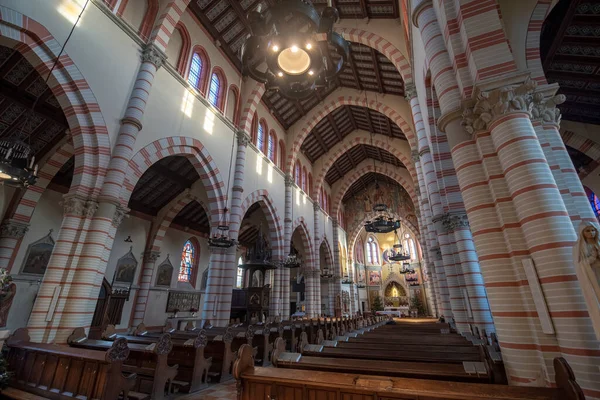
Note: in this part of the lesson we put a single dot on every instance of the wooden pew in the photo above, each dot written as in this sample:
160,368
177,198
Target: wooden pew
59,372
421,370
188,354
148,362
257,383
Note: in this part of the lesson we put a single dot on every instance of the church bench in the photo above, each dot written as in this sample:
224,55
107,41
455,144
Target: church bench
421,370
148,362
257,383
188,354
429,340
400,346
59,372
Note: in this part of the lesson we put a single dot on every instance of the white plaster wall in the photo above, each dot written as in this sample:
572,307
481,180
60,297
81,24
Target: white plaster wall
174,48
134,13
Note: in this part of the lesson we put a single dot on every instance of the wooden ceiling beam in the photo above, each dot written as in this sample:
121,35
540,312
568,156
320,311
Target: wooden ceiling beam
377,71
363,8
354,70
351,118
566,21
319,138
173,176
25,100
239,11
369,121
335,127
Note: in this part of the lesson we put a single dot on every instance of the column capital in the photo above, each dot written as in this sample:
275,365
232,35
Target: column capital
150,256
334,223
14,229
289,181
450,222
79,206
410,91
120,213
545,102
154,55
316,206
242,138
415,156
492,100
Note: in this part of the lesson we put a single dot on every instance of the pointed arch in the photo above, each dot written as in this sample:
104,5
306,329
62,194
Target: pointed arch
233,104
197,155
267,205
149,18
86,124
199,69
328,253
300,224
186,48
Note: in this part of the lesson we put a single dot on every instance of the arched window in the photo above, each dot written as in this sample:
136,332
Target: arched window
239,281
281,155
199,69
372,251
272,147
304,179
360,252
260,136
214,90
328,204
594,201
310,185
189,257
297,172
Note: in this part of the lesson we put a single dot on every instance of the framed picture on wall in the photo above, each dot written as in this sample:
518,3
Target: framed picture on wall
38,254
164,273
126,266
374,278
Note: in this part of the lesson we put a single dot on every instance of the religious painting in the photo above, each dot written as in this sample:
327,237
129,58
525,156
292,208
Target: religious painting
374,278
38,254
183,301
361,274
188,262
126,266
164,273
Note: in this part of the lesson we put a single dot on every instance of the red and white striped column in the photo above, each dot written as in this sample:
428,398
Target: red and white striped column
11,233
287,238
335,284
148,263
317,257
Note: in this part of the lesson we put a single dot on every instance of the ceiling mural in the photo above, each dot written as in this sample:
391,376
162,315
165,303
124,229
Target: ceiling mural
393,195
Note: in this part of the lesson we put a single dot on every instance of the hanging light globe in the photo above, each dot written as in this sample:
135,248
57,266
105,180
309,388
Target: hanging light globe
17,163
288,48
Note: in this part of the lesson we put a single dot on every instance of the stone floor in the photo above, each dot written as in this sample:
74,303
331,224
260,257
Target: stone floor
220,391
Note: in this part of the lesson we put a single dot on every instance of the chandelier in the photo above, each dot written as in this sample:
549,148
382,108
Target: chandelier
382,224
406,269
293,260
288,49
220,239
397,252
17,163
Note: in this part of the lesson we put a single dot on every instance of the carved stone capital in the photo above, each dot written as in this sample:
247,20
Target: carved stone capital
150,256
489,105
79,206
13,229
415,156
289,181
120,213
410,91
242,138
453,222
316,206
334,223
545,107
154,55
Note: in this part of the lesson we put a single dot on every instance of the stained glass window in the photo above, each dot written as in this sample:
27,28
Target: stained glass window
271,147
195,71
372,253
213,92
239,282
260,136
594,201
188,257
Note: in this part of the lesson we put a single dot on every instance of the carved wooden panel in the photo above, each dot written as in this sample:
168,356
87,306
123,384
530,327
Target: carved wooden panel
183,301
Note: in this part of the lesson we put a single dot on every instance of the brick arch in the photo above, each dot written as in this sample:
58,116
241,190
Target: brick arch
299,223
28,201
267,205
91,142
173,146
358,141
166,22
381,45
532,43
348,181
250,105
352,100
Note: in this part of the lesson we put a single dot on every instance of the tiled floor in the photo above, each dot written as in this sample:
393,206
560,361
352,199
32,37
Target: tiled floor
221,391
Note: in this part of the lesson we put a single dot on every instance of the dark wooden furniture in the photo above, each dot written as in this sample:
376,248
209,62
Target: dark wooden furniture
257,383
149,363
61,372
109,309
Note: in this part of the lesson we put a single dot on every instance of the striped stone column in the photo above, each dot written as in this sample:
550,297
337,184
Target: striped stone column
335,288
287,241
131,123
545,223
149,258
11,234
317,260
60,271
213,309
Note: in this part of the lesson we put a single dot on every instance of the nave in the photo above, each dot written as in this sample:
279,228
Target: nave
183,178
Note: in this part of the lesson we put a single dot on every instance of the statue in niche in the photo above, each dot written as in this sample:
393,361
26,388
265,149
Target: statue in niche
126,265
164,273
586,255
38,254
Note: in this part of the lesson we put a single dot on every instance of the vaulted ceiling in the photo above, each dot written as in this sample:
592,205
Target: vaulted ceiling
355,156
361,184
21,88
340,123
570,51
367,69
193,216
